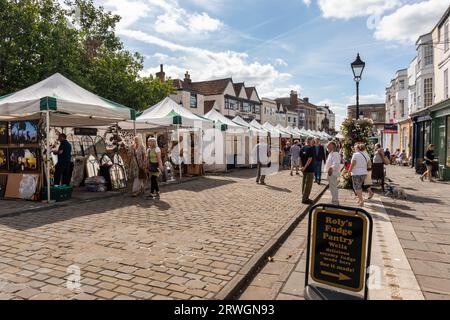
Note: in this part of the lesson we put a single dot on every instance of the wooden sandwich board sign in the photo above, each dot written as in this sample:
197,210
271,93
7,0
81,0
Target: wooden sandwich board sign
338,253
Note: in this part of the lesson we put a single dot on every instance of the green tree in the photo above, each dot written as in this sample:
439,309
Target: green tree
39,38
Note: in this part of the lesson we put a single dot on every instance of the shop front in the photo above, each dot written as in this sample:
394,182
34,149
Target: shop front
406,137
422,137
441,137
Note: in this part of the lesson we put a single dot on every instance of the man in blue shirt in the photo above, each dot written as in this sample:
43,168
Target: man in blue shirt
307,159
62,168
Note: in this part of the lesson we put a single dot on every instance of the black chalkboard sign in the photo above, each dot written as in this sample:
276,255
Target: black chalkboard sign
339,247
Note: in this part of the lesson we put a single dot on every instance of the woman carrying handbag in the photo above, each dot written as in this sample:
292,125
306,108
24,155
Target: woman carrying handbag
140,167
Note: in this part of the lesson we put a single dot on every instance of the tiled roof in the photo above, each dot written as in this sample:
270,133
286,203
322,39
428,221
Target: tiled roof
178,84
209,105
249,91
213,87
238,87
286,102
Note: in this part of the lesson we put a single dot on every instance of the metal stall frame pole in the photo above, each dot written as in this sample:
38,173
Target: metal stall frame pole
214,142
47,136
134,128
226,147
179,155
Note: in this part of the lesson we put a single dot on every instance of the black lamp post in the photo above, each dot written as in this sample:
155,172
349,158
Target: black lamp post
357,67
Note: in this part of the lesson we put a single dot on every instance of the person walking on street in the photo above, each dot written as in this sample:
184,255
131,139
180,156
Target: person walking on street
295,157
319,157
287,155
307,159
155,166
262,155
387,154
358,172
62,168
139,158
333,168
379,160
368,180
429,160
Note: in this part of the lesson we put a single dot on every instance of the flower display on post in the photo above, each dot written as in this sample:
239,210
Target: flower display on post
354,131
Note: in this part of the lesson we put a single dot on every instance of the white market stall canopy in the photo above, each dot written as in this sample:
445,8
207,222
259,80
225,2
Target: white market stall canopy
169,113
223,121
283,130
268,126
68,103
251,128
258,125
299,133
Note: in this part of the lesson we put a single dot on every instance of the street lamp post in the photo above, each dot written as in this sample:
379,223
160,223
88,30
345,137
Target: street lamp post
357,67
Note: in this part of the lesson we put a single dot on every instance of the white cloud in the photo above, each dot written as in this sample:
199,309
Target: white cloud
307,2
281,62
130,11
205,65
204,23
410,21
168,16
346,9
178,21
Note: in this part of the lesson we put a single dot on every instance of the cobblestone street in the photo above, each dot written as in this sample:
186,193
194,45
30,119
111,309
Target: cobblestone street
188,245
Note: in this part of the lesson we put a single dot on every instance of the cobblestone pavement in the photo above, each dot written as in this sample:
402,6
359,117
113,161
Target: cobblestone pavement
422,223
189,245
392,277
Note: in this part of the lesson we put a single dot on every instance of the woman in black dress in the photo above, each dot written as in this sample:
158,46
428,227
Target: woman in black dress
429,158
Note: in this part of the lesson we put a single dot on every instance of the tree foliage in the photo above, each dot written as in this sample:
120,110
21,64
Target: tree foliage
39,38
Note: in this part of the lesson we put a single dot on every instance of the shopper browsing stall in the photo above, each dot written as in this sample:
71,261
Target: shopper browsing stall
155,166
62,168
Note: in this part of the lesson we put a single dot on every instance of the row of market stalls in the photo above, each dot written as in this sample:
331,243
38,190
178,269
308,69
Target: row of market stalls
31,119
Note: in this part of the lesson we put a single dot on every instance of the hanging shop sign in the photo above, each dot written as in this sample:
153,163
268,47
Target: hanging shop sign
339,244
85,131
391,128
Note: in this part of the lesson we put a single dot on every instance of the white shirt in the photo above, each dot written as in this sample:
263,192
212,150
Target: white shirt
262,149
360,168
333,162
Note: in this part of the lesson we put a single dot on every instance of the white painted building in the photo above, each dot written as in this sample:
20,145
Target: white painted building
270,113
441,38
396,107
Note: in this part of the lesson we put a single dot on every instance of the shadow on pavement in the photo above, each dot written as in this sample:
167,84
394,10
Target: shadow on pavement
278,189
198,185
30,220
419,199
397,213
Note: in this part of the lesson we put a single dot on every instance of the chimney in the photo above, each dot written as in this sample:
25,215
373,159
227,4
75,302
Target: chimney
294,99
306,99
161,74
187,78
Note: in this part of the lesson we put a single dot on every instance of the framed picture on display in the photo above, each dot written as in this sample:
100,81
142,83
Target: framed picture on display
24,132
3,132
23,159
3,159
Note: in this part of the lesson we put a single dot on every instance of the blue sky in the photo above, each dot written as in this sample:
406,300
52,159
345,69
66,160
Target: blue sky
278,46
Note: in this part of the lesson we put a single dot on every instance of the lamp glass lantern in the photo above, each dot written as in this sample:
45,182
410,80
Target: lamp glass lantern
358,68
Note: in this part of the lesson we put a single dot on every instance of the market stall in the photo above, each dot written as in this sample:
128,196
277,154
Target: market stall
223,145
28,116
244,143
185,126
